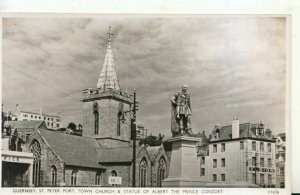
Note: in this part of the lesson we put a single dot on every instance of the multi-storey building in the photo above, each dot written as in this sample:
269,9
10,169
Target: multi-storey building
241,153
52,121
280,160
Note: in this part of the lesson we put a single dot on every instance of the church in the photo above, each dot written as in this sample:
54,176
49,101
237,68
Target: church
105,149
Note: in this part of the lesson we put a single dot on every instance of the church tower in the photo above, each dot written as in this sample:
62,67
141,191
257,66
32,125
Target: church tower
106,108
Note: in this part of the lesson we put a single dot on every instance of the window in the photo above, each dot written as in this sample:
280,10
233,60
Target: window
53,176
202,160
262,162
223,162
119,124
269,147
281,170
253,145
48,123
98,178
222,177
223,147
253,178
96,115
262,179
48,119
52,124
253,161
269,162
215,148
31,116
214,177
214,163
57,120
51,119
143,173
241,145
269,179
44,118
35,116
202,172
74,178
39,117
261,144
57,125
35,148
161,171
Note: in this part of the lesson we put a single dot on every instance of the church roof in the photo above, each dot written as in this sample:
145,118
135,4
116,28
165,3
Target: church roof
24,124
73,150
108,76
120,154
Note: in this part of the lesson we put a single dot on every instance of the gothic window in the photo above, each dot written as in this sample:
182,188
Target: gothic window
96,117
53,176
74,178
143,173
98,178
119,124
35,148
161,171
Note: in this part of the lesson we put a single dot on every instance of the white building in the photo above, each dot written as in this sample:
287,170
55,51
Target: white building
241,153
52,121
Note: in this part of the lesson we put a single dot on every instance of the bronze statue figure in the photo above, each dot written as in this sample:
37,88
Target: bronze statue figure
181,113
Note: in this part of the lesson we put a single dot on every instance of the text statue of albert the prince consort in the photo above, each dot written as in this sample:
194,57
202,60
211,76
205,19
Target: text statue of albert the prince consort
181,113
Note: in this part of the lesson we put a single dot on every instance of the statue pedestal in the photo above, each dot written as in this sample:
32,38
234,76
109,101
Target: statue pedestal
184,168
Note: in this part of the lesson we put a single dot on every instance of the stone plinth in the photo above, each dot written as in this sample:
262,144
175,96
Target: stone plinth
184,166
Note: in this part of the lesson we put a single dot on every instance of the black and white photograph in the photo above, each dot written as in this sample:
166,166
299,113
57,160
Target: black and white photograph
119,100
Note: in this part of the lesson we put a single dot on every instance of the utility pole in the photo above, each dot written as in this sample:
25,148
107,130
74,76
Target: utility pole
133,133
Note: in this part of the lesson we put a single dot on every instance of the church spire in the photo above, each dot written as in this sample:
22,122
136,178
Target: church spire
108,76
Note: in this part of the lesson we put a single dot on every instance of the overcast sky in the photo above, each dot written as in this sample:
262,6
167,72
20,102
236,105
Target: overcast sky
234,66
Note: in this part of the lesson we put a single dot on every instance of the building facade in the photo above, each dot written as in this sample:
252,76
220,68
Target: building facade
17,162
52,121
280,160
240,153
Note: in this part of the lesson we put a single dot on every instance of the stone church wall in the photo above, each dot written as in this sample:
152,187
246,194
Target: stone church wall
48,159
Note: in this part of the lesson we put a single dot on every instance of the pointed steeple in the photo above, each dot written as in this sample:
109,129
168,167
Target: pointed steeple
108,76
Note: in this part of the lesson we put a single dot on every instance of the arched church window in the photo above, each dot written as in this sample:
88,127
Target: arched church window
98,178
35,148
161,171
119,124
96,117
74,178
53,176
120,113
143,173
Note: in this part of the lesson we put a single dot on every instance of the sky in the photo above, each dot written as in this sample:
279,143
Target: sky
234,66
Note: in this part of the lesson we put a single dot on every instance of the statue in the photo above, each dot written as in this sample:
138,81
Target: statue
181,113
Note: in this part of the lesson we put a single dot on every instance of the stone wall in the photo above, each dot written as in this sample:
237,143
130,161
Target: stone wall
48,159
108,110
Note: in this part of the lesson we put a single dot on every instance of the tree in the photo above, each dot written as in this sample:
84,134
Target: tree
72,126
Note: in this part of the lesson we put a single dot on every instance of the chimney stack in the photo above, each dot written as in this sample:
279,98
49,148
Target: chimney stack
235,128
